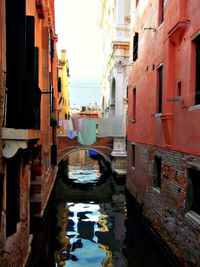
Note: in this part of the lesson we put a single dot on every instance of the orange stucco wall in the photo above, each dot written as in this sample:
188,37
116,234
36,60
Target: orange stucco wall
169,44
171,135
14,250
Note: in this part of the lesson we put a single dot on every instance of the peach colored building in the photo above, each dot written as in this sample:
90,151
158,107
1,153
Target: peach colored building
163,121
28,82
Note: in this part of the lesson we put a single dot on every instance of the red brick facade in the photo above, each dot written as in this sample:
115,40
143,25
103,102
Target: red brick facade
165,207
163,124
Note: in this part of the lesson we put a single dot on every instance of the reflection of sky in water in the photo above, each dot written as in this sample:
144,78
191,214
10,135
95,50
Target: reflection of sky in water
84,221
79,175
95,255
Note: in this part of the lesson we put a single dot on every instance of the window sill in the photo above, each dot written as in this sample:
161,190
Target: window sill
193,218
133,121
157,115
195,107
133,168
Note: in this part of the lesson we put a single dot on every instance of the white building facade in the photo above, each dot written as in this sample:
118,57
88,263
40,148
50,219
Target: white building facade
115,27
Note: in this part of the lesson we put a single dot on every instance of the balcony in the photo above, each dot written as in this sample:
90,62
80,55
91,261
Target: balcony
14,139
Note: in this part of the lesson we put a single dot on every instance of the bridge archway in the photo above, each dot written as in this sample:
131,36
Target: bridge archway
75,149
103,146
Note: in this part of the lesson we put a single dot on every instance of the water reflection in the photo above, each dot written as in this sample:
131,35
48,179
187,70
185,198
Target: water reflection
81,176
94,226
95,233
95,229
82,227
82,170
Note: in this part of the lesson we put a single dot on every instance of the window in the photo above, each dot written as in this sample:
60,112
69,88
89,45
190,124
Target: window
161,12
30,49
179,88
193,191
59,84
68,75
36,64
157,171
133,155
197,90
16,101
135,46
134,105
1,195
160,88
51,99
51,46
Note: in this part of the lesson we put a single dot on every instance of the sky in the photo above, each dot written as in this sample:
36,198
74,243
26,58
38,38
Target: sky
78,33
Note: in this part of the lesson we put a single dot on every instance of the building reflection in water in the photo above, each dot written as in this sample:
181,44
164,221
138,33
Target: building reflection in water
86,224
88,237
93,226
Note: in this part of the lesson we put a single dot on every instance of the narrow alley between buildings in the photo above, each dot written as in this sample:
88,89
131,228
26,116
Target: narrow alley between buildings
120,80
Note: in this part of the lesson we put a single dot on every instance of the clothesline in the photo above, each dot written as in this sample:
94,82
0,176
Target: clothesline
86,129
82,128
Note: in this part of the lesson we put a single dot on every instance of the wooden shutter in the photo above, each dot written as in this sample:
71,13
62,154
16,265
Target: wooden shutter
16,61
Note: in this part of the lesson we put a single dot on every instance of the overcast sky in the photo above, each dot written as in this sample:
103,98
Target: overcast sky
78,33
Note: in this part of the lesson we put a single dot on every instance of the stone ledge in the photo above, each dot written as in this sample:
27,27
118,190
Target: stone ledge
20,134
119,153
193,217
120,171
156,189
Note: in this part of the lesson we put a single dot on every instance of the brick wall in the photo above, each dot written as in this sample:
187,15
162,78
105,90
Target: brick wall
165,207
15,248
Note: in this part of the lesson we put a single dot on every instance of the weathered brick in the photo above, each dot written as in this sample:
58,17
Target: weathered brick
166,210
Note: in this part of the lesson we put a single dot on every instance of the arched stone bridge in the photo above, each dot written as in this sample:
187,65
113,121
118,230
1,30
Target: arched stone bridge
103,146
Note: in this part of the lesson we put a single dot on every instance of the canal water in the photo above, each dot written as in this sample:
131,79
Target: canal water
93,221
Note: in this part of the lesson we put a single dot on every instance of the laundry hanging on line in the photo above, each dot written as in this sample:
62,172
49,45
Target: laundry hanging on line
67,128
87,136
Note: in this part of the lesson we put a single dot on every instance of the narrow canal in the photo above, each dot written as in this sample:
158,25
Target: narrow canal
93,221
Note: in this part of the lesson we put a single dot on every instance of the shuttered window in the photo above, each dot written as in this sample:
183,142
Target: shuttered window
59,84
161,12
133,155
159,88
135,46
36,66
134,105
157,171
16,61
30,41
